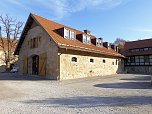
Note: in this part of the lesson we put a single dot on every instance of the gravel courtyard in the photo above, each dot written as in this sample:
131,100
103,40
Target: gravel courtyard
115,94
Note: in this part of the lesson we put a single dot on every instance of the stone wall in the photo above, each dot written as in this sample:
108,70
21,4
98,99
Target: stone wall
139,69
46,45
84,68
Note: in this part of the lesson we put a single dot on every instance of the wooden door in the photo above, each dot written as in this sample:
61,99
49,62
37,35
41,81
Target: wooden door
25,66
35,65
42,64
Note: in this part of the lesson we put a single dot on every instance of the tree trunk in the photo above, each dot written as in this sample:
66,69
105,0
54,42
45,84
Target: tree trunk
7,68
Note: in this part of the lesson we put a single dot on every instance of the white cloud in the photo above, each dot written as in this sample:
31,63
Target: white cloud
66,7
61,8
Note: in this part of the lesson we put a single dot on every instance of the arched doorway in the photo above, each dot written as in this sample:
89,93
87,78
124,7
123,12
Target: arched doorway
35,65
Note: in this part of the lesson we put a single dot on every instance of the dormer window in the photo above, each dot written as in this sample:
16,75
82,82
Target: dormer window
86,39
66,33
98,42
69,34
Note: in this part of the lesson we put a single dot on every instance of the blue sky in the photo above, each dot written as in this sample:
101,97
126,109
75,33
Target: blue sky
109,19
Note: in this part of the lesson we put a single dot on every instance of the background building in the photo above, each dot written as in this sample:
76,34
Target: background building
4,46
138,56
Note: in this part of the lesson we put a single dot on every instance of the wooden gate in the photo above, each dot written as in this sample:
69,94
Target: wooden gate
42,64
25,66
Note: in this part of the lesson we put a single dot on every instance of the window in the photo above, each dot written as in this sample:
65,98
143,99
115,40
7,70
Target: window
68,34
34,42
141,49
146,59
39,39
139,60
74,59
150,48
73,36
98,42
145,49
91,60
104,61
132,59
113,63
86,39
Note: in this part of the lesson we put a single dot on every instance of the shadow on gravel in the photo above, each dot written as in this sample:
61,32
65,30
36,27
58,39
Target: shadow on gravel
126,85
14,76
92,101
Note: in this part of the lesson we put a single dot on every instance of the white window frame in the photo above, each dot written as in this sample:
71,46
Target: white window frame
72,35
86,39
69,34
66,33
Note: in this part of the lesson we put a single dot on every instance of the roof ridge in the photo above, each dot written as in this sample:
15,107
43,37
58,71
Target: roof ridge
139,40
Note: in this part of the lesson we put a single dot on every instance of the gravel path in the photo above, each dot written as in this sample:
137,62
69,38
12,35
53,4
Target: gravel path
115,94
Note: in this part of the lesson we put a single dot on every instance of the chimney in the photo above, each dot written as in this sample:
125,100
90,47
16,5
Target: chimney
101,39
87,32
107,45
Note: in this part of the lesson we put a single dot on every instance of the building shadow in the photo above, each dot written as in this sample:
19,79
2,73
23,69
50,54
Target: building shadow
138,78
2,68
92,101
16,76
126,85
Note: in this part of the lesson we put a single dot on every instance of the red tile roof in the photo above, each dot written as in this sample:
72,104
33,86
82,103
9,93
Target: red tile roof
6,43
50,27
137,44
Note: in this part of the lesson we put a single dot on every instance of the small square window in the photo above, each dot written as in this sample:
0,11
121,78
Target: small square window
145,49
104,61
113,63
91,60
74,59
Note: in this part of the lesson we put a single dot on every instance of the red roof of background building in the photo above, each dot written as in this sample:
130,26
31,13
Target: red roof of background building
137,44
6,43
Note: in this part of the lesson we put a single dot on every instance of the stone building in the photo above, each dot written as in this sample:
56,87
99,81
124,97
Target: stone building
138,56
55,51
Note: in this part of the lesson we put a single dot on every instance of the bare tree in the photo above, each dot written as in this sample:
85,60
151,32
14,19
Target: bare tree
120,42
11,30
